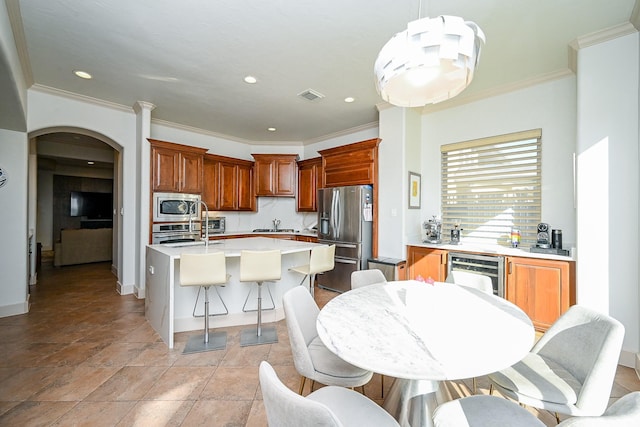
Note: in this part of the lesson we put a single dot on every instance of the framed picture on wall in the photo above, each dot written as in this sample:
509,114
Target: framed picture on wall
414,190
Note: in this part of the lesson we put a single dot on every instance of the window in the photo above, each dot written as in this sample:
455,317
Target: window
492,185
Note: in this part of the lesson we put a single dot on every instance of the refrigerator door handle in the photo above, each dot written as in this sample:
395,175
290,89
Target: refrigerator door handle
346,245
338,219
346,261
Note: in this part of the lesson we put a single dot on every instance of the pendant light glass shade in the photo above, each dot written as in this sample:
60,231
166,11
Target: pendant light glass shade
429,62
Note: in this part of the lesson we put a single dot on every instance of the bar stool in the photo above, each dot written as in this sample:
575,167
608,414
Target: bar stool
259,267
204,270
321,260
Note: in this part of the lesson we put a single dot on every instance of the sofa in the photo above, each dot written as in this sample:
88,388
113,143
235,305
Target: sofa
82,246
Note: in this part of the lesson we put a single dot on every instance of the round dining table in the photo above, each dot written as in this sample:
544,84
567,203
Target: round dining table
422,334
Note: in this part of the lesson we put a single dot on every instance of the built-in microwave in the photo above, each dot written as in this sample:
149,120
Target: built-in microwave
215,225
175,207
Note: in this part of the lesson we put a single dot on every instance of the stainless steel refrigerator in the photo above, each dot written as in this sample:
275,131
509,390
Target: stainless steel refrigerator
345,218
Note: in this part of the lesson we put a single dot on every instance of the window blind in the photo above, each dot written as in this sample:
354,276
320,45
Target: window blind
491,186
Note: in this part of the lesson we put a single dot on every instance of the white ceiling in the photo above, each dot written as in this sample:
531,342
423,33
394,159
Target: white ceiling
189,57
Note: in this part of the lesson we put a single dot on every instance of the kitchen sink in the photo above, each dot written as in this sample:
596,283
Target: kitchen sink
273,230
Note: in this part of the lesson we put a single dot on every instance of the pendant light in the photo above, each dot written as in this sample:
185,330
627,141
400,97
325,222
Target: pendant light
431,61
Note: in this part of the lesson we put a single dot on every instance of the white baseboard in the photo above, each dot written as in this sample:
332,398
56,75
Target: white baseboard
15,309
628,359
124,289
638,364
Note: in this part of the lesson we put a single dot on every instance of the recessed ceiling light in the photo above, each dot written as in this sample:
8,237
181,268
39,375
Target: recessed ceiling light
82,74
271,129
349,99
250,79
90,162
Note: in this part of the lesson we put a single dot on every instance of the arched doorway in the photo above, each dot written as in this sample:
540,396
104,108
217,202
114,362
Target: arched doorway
75,160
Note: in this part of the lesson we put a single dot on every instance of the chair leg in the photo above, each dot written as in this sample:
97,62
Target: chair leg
557,418
222,313
490,389
249,337
474,384
207,341
381,385
303,379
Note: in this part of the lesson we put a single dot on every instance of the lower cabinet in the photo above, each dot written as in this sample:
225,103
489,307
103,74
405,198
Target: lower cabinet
542,288
427,263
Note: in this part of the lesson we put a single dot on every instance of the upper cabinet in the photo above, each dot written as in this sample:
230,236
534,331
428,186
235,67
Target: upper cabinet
228,184
352,164
309,181
275,174
176,167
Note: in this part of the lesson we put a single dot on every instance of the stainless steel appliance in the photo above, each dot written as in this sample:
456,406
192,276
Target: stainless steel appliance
489,265
174,233
175,207
433,231
215,225
345,216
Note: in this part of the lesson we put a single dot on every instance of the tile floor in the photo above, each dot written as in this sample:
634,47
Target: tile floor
85,356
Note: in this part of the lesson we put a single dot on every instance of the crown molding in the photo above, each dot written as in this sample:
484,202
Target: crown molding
82,98
345,132
500,90
15,19
139,106
192,129
603,35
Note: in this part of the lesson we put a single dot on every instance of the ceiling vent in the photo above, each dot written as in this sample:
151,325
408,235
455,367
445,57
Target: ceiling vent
311,95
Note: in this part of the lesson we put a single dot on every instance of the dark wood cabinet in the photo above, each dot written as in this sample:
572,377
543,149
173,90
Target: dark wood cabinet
211,182
542,288
176,167
352,164
275,174
426,263
309,181
228,184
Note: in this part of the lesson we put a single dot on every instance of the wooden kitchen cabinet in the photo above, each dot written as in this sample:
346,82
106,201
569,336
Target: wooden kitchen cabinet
275,174
309,181
352,164
544,289
211,182
228,184
426,262
310,239
176,167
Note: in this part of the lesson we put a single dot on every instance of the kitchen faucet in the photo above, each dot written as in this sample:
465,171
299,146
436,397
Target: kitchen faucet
276,223
206,220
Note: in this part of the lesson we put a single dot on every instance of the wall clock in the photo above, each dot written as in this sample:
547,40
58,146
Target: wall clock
3,177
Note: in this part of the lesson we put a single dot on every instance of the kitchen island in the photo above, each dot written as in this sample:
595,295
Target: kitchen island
169,308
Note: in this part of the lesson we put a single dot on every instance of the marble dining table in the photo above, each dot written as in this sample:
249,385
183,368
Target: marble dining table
422,334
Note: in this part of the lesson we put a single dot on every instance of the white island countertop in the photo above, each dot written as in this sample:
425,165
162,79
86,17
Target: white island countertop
233,247
170,308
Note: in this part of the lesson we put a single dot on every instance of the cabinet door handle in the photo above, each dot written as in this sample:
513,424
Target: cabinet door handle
510,264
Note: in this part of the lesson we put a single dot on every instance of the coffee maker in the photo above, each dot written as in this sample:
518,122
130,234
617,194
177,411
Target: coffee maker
433,231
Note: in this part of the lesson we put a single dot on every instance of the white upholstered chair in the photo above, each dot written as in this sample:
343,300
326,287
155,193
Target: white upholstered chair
322,259
360,278
259,267
571,369
311,357
489,411
328,406
472,280
204,270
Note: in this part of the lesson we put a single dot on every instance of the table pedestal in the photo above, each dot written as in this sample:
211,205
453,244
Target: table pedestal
412,402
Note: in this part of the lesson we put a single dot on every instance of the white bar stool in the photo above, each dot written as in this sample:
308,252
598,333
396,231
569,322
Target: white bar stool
259,267
322,259
204,270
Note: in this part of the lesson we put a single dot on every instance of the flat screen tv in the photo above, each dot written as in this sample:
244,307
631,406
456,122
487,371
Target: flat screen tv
92,205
